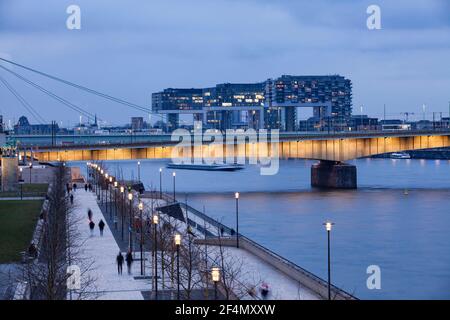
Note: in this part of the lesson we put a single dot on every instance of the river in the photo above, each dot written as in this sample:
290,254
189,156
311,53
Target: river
398,219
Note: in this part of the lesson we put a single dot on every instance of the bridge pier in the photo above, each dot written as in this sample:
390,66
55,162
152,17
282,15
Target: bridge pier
333,175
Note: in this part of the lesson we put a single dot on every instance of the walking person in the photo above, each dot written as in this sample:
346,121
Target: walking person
71,198
129,260
101,226
92,226
85,187
90,187
74,187
90,214
119,260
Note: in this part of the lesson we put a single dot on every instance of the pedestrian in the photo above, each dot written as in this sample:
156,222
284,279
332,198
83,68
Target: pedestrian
85,187
129,260
71,198
264,290
67,187
92,226
101,226
90,187
119,260
90,214
74,187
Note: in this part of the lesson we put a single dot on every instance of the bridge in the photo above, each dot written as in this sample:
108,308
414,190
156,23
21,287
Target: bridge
332,150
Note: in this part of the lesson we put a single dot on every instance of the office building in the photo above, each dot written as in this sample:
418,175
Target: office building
270,104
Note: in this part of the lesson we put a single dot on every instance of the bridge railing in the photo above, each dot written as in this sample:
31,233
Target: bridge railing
148,141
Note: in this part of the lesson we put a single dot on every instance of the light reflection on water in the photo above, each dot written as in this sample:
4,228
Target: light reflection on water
405,234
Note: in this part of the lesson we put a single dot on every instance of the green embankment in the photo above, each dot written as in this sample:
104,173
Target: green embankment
17,222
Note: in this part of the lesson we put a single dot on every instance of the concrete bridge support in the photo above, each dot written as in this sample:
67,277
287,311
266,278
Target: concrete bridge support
333,174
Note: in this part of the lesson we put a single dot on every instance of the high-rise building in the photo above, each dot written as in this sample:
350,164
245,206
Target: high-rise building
173,102
270,104
329,96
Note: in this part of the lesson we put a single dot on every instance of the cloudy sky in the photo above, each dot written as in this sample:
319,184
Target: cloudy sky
131,48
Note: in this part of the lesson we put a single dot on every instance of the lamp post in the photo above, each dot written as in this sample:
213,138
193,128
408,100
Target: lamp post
116,184
139,171
160,183
236,196
21,184
328,225
177,245
108,192
130,246
174,176
155,223
141,208
215,274
100,183
122,192
30,165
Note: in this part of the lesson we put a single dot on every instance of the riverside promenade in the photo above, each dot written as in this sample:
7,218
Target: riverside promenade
102,251
259,265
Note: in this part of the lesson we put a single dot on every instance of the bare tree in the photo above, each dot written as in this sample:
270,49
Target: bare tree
59,251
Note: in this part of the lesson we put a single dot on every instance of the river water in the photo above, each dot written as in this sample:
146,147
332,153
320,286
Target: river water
398,219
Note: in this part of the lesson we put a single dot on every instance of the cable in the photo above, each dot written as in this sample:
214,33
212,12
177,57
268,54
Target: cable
103,95
23,102
74,107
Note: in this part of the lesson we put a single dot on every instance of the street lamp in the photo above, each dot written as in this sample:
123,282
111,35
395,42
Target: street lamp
30,165
160,183
215,274
236,196
122,191
116,184
177,245
108,192
130,198
141,208
155,223
21,184
174,176
328,225
139,171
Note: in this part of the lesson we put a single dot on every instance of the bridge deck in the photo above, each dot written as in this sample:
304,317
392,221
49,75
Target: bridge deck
333,147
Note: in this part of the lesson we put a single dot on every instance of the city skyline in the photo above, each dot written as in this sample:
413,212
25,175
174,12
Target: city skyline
402,65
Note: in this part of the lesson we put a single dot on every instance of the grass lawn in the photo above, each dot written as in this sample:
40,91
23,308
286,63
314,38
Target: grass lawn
29,190
17,223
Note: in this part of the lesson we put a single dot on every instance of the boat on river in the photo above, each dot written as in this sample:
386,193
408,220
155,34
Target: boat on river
205,167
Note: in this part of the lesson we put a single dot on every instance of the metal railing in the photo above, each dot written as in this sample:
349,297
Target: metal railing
279,258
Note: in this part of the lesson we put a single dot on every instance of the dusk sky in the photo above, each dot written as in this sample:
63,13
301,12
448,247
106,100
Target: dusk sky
130,49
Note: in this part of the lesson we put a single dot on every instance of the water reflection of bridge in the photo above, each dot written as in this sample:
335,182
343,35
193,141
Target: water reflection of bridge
331,149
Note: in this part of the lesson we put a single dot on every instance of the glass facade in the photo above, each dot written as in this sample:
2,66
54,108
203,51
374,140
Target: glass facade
269,104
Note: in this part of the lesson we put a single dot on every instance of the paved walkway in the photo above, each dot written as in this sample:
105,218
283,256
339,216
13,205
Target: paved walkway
255,271
103,251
